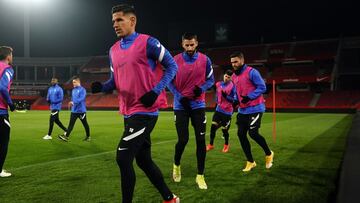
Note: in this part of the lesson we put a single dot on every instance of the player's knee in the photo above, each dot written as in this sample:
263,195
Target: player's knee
200,138
241,133
122,158
143,163
183,140
254,133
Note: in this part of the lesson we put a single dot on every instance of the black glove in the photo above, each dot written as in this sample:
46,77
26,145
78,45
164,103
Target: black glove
185,102
12,107
48,101
224,94
96,87
149,98
197,91
245,99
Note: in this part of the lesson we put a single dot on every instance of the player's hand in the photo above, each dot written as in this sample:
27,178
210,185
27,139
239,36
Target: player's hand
149,98
197,91
245,99
48,101
185,102
12,107
224,94
96,87
71,103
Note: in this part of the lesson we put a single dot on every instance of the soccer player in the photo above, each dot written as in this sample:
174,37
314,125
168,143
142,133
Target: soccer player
137,75
6,74
54,97
194,77
78,110
249,88
225,99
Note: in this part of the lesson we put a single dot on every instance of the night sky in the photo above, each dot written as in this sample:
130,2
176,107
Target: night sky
83,27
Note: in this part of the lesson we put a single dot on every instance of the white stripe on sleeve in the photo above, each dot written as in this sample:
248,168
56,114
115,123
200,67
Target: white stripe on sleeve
162,53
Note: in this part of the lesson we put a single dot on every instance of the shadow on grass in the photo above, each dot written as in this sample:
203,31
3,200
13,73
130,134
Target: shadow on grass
310,175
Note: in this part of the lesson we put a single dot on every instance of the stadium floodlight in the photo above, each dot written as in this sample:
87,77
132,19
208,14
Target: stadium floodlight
27,5
28,2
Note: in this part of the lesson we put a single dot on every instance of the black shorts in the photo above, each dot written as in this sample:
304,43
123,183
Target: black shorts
4,125
250,121
137,132
222,119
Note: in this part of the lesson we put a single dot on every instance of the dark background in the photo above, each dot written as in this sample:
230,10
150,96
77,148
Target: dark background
83,27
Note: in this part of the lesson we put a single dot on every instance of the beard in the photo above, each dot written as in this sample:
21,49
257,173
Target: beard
190,53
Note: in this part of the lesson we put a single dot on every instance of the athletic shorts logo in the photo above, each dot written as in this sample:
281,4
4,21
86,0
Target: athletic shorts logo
7,123
122,149
131,130
53,114
132,136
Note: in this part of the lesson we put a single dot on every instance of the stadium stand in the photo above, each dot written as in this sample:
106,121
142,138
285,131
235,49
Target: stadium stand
339,99
303,71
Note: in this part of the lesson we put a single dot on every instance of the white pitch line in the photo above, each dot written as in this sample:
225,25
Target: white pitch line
76,158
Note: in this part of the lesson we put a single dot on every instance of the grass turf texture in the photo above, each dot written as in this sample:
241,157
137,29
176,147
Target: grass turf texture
308,153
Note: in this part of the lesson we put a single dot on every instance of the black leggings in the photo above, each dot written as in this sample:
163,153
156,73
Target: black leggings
136,144
54,118
198,121
82,117
250,123
4,138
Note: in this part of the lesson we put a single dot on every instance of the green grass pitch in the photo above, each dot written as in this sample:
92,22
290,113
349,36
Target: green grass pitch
308,153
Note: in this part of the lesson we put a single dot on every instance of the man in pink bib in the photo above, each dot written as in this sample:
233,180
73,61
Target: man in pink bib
225,100
194,77
249,89
137,74
6,76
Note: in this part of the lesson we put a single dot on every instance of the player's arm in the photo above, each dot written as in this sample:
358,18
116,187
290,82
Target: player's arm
259,83
48,95
234,95
107,86
209,80
156,52
174,91
231,96
4,83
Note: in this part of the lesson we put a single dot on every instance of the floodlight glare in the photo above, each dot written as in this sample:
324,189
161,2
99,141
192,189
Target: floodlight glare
28,2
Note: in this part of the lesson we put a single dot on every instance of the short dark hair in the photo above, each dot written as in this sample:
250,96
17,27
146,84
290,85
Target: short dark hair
76,78
189,36
237,54
5,51
125,8
229,72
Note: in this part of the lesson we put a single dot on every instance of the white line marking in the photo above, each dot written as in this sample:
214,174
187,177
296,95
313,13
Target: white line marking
77,158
